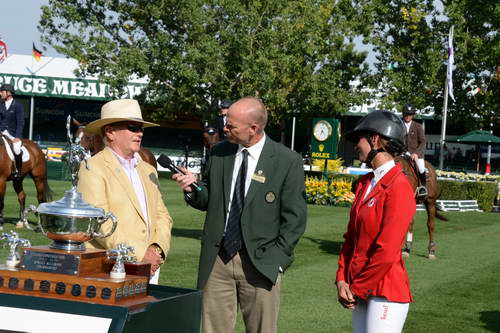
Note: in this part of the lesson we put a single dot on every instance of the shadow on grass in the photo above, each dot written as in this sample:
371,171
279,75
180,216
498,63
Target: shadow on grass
187,233
10,220
325,245
491,320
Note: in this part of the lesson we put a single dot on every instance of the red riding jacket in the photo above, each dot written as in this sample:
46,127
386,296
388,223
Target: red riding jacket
370,259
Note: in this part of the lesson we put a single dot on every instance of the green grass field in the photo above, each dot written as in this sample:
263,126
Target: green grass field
457,292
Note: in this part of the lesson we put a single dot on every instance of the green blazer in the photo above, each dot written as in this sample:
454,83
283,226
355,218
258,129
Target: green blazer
274,214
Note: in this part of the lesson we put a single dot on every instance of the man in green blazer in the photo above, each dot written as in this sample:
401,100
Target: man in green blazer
254,196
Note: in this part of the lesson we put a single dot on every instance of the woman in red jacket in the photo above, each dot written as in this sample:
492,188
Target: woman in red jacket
371,277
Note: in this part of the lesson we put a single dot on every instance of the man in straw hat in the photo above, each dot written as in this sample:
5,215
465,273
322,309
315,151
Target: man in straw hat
118,181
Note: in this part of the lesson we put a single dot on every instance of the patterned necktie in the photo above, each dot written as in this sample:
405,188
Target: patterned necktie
232,238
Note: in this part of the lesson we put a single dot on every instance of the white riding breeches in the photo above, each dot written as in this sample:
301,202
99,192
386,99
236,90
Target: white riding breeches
421,165
16,146
378,315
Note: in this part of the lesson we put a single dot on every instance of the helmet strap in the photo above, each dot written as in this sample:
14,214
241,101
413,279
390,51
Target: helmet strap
371,155
373,152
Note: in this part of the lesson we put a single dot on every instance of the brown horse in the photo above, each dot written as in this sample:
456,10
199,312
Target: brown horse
429,202
36,167
93,144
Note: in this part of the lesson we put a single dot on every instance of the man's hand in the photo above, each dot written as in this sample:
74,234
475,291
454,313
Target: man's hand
346,297
184,180
414,157
154,258
16,140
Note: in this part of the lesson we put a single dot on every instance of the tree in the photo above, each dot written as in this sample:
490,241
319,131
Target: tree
297,55
477,27
410,39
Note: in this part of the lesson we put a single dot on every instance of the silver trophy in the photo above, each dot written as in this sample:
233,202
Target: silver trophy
70,221
14,242
123,253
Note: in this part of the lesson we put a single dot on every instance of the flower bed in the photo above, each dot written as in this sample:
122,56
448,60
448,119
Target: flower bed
467,176
329,192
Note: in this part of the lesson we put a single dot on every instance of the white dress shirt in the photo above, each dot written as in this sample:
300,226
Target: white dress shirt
253,157
8,103
129,167
407,124
378,174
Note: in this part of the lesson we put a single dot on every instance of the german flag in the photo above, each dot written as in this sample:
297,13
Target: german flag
36,53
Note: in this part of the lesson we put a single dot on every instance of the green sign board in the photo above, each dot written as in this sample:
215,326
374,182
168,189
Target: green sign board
325,138
66,88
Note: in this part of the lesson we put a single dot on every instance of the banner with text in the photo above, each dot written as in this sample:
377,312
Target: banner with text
66,88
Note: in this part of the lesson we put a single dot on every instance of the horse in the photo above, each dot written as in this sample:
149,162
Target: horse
429,202
35,167
94,143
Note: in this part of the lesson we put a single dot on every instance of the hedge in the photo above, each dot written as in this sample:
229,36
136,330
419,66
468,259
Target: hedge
484,192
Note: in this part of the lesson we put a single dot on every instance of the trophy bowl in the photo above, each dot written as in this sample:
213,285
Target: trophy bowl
70,221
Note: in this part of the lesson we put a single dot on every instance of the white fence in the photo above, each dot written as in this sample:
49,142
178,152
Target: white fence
455,206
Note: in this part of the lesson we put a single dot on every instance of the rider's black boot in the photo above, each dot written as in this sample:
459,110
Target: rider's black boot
19,165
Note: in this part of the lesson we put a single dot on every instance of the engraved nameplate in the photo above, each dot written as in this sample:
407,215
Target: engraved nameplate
50,262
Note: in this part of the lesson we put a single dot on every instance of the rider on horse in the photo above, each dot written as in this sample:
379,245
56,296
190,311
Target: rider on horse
415,141
12,124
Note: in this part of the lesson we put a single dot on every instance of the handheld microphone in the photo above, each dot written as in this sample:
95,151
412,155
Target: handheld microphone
166,162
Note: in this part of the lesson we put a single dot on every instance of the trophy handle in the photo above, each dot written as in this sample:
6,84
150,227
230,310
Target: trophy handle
102,220
32,209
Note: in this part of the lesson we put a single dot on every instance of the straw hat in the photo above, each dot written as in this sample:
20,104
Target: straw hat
116,111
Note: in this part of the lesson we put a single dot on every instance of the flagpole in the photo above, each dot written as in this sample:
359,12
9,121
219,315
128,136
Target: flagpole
32,103
443,125
32,112
448,90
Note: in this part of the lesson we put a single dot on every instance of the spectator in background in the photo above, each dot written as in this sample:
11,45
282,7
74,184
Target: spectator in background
221,118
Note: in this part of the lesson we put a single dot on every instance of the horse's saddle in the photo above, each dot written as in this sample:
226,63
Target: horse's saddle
414,167
10,151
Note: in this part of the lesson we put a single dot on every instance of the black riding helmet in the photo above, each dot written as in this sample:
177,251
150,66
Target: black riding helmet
384,123
409,109
7,87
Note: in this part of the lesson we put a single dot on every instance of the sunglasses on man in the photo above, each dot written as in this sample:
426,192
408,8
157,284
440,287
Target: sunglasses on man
135,128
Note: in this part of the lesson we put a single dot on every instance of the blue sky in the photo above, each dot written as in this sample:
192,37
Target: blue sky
18,26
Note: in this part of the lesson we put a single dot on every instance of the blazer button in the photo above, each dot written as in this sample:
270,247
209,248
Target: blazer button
217,244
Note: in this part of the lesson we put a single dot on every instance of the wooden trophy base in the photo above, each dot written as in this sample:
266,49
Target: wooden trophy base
77,276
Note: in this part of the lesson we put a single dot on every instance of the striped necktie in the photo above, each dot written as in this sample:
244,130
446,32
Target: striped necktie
232,238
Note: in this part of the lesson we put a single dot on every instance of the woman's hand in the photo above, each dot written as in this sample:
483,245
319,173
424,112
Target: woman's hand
346,297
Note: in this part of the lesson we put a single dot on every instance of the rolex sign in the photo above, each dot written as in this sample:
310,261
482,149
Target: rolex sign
325,138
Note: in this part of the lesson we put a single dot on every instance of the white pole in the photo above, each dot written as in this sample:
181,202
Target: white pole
443,125
32,112
293,134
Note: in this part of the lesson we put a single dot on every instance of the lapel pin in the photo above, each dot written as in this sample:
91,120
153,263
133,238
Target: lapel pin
270,197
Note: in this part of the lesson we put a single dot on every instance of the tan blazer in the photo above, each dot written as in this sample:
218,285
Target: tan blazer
105,185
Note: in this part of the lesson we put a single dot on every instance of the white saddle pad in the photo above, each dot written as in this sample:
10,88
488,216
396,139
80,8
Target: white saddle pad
26,154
